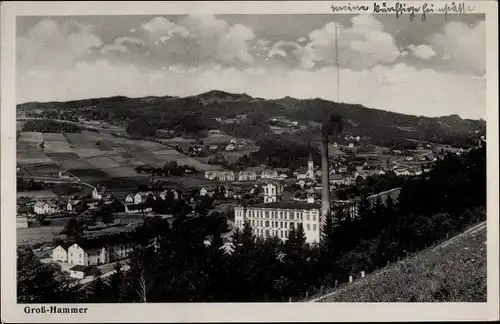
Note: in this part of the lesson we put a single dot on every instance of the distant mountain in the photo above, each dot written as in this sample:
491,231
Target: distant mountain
380,126
217,96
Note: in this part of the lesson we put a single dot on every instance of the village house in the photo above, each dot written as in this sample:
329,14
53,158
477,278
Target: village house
129,200
203,191
98,193
143,196
269,174
65,175
401,172
60,252
226,176
46,207
174,194
247,176
22,222
272,192
75,206
336,179
138,209
283,176
305,182
213,148
351,206
100,250
87,252
212,174
79,271
214,132
364,173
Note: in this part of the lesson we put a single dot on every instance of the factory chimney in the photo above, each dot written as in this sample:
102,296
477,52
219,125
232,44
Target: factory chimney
332,126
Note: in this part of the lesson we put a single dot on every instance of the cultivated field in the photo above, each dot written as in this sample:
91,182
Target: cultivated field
94,156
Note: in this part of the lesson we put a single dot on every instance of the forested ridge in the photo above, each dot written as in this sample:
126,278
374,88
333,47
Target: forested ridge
445,201
196,114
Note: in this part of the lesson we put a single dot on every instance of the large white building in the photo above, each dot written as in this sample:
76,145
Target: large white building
275,218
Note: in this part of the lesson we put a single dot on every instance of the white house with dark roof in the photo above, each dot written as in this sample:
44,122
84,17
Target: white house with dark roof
60,252
269,174
46,207
226,176
75,206
247,175
142,196
212,174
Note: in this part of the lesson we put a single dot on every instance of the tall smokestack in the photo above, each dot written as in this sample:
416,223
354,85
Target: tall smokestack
325,177
331,126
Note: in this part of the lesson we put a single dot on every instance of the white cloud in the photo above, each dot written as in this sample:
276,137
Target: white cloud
50,44
210,39
423,52
383,87
463,45
361,46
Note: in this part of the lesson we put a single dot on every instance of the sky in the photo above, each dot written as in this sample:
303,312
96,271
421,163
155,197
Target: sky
433,68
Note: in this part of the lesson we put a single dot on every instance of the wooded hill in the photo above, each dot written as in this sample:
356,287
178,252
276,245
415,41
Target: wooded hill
382,127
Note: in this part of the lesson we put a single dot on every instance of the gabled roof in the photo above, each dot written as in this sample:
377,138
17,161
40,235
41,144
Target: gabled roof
24,209
66,245
101,190
102,241
79,268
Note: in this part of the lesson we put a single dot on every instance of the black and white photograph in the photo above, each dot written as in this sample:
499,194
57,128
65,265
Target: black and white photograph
294,158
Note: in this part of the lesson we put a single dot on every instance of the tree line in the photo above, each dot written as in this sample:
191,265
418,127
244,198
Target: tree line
50,126
174,263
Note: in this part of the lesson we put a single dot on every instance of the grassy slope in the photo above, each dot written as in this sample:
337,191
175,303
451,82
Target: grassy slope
454,271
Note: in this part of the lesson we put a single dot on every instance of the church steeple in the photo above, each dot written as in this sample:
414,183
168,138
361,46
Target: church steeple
310,167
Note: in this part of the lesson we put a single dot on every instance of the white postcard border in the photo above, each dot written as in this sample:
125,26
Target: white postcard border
221,312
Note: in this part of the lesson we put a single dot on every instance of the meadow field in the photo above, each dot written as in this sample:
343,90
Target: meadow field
94,156
454,271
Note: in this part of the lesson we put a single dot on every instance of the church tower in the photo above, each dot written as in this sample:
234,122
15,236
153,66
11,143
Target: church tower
310,167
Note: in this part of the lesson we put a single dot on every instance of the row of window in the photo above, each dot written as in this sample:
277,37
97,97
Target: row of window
280,215
257,223
275,224
269,233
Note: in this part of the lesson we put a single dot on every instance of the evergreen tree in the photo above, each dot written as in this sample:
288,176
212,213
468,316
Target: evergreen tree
116,284
300,236
36,281
99,290
247,237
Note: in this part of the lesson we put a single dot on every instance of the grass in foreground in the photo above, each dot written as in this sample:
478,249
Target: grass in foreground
454,271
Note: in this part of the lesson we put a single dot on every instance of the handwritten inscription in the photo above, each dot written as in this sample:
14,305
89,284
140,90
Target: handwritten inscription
400,9
349,8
